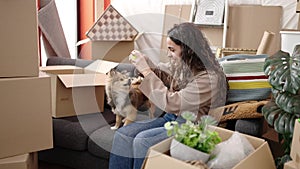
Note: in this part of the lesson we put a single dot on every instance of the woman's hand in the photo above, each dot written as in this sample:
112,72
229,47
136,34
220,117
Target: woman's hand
140,62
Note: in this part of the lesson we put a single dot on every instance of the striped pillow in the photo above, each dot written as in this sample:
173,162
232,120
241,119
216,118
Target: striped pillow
246,78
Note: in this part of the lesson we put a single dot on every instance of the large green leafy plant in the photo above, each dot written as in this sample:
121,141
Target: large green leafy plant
194,134
284,76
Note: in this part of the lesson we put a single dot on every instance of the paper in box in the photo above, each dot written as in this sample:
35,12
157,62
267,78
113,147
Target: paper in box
19,38
75,91
290,165
112,36
295,147
261,158
24,161
26,122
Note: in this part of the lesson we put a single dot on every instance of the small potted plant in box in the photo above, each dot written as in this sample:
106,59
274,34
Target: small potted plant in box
192,140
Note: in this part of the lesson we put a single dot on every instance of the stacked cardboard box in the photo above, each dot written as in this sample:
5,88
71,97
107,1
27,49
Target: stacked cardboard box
25,120
19,40
24,161
159,157
295,149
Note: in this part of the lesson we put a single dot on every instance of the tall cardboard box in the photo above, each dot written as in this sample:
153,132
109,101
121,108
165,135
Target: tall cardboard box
25,122
75,91
112,37
295,148
19,38
261,158
24,161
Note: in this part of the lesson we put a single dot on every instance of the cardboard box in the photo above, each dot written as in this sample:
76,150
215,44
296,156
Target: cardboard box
251,19
261,158
19,38
295,147
74,91
290,165
25,161
26,122
111,51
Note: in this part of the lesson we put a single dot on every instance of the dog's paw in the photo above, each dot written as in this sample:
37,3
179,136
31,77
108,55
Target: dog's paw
114,128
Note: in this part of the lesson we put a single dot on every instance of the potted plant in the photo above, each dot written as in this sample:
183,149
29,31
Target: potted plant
284,107
195,137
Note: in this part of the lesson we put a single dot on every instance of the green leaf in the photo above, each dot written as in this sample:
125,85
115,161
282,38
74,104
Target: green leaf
283,71
288,102
270,111
189,116
283,123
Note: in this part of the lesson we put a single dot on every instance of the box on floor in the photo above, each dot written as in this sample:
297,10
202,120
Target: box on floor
19,38
75,91
158,155
24,161
26,122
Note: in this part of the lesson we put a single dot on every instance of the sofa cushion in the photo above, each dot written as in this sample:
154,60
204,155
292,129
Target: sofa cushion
246,77
70,159
100,142
72,132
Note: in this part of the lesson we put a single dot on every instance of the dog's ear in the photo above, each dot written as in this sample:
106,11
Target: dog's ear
112,72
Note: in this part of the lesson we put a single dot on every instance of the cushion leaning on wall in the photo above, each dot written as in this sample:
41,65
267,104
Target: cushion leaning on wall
246,77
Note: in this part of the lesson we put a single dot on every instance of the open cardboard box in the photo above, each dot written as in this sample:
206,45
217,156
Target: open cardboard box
24,161
26,122
75,91
261,158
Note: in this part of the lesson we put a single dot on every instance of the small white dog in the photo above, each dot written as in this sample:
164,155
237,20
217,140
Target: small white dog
117,90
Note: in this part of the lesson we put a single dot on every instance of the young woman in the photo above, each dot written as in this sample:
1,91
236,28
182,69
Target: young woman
200,86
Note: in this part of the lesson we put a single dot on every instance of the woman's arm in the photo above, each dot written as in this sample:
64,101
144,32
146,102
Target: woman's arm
195,97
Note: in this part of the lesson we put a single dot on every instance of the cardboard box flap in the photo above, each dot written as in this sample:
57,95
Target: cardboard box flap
14,159
260,157
62,69
82,80
112,26
100,66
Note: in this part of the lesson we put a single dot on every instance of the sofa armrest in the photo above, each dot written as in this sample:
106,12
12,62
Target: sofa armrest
67,61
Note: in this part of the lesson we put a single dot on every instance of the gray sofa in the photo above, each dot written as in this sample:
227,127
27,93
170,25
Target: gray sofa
81,142
84,142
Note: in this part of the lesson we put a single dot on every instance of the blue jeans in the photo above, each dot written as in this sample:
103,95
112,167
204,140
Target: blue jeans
131,142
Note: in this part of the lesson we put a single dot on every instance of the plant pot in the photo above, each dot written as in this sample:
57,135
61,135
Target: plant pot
185,153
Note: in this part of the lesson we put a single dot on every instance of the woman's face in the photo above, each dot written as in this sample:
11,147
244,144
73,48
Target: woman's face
174,52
